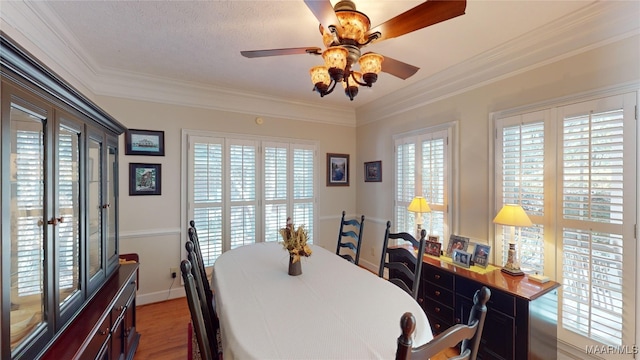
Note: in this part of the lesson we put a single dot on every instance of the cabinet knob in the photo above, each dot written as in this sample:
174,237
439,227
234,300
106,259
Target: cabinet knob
437,293
104,332
437,326
436,276
437,309
420,300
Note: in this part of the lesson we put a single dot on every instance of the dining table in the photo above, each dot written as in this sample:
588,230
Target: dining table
333,310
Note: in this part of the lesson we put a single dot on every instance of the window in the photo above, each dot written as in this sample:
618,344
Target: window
573,169
241,190
423,169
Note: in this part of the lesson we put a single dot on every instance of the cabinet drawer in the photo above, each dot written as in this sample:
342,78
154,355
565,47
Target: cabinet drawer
439,310
499,300
438,277
98,340
438,294
437,324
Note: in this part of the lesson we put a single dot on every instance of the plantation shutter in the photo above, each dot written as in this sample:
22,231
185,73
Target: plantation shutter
303,180
521,168
405,184
276,191
434,165
242,158
206,180
591,225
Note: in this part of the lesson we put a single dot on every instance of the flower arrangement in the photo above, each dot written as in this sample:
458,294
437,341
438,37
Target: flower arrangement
295,241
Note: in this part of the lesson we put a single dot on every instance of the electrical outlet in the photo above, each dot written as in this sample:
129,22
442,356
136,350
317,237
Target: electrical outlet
173,272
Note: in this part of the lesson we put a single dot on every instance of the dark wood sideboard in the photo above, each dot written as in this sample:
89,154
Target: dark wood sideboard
106,328
522,315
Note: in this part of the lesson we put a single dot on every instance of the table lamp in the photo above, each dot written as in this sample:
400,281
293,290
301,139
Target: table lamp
514,216
419,205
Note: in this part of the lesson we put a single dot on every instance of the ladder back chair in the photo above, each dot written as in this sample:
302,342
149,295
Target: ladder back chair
468,335
348,238
212,323
404,266
197,318
193,236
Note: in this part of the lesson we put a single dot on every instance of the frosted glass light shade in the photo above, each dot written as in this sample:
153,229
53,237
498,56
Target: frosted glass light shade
335,57
319,74
371,63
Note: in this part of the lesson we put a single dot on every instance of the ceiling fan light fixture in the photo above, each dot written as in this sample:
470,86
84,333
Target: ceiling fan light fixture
370,65
350,84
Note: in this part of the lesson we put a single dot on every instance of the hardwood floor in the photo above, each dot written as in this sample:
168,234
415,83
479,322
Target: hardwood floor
163,330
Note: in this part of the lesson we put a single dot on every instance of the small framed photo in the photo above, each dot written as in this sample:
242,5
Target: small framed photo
457,243
373,171
144,142
481,255
461,257
433,248
338,169
145,179
434,238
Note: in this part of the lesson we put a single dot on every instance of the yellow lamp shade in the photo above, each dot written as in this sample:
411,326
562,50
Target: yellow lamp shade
419,205
335,57
513,215
371,63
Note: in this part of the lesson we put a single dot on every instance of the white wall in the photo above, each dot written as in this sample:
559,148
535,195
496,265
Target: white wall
151,225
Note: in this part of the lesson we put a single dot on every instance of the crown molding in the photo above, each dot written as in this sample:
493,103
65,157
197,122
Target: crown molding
169,91
36,27
39,31
595,26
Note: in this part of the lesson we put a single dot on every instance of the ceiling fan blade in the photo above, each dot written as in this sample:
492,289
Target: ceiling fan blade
426,14
323,11
398,68
278,52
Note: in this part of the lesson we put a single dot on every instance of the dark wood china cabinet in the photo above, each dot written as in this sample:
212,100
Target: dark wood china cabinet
62,285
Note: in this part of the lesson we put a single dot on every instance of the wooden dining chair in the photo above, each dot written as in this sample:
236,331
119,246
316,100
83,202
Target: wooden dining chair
404,266
197,317
212,323
467,335
193,236
350,238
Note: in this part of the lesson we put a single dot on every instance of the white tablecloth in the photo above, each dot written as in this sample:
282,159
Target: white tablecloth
333,310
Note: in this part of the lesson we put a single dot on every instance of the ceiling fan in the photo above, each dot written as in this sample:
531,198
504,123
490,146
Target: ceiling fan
345,31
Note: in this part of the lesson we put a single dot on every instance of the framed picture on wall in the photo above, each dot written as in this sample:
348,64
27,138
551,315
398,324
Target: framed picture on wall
145,179
338,169
144,142
373,171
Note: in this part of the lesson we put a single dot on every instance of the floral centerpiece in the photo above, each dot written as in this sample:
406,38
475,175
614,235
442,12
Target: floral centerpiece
295,241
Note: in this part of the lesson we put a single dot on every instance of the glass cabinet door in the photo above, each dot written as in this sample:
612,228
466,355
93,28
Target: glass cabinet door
67,233
111,205
94,193
28,223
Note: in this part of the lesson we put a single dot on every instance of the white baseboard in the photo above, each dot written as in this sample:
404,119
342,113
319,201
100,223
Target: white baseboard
160,296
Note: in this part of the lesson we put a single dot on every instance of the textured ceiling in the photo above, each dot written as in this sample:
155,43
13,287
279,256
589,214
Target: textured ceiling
200,41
